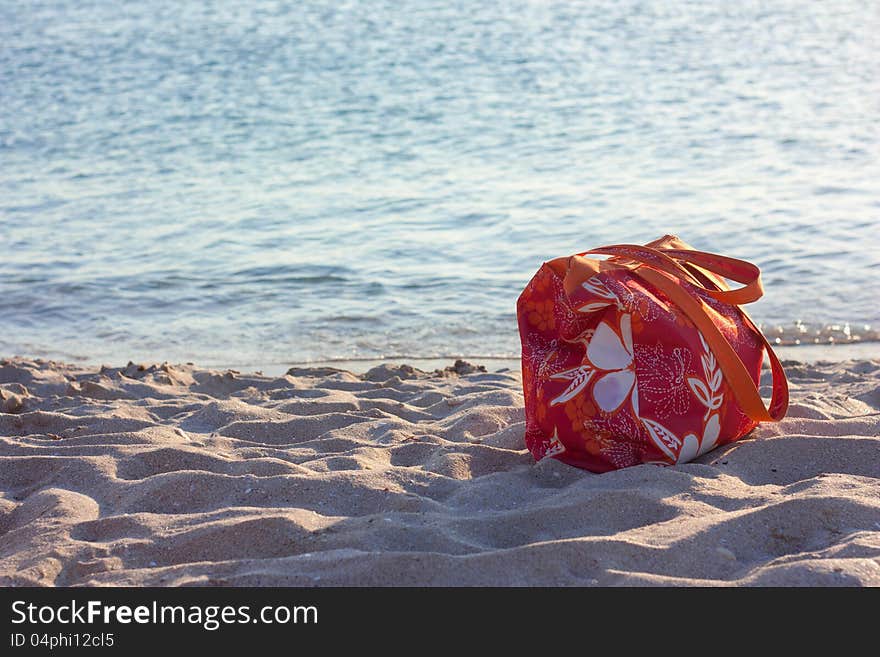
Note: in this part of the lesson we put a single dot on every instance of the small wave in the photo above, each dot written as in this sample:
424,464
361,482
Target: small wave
402,357
800,333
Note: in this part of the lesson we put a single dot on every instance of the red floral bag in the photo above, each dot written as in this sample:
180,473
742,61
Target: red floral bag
644,357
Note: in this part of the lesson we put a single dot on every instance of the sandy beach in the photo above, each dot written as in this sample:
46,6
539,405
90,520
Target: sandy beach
174,475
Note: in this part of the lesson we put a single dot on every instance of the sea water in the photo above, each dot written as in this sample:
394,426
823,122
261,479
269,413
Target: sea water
274,182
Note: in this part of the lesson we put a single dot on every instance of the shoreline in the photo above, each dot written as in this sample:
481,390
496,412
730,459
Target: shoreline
163,475
806,353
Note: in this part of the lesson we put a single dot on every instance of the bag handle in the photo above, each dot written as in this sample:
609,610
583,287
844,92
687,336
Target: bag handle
669,261
738,377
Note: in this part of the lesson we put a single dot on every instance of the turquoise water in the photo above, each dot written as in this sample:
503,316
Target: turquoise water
270,182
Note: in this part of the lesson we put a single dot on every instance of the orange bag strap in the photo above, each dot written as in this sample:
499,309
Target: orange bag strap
669,261
779,400
738,377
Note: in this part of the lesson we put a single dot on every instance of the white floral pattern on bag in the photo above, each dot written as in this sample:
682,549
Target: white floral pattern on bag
609,359
620,372
635,302
607,432
663,378
614,292
595,286
708,392
615,374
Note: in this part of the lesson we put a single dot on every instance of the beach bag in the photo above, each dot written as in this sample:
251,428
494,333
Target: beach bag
643,357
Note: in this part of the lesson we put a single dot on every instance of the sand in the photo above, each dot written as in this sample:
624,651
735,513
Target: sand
174,475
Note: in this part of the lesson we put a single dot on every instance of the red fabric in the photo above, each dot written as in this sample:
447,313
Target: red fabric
615,375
